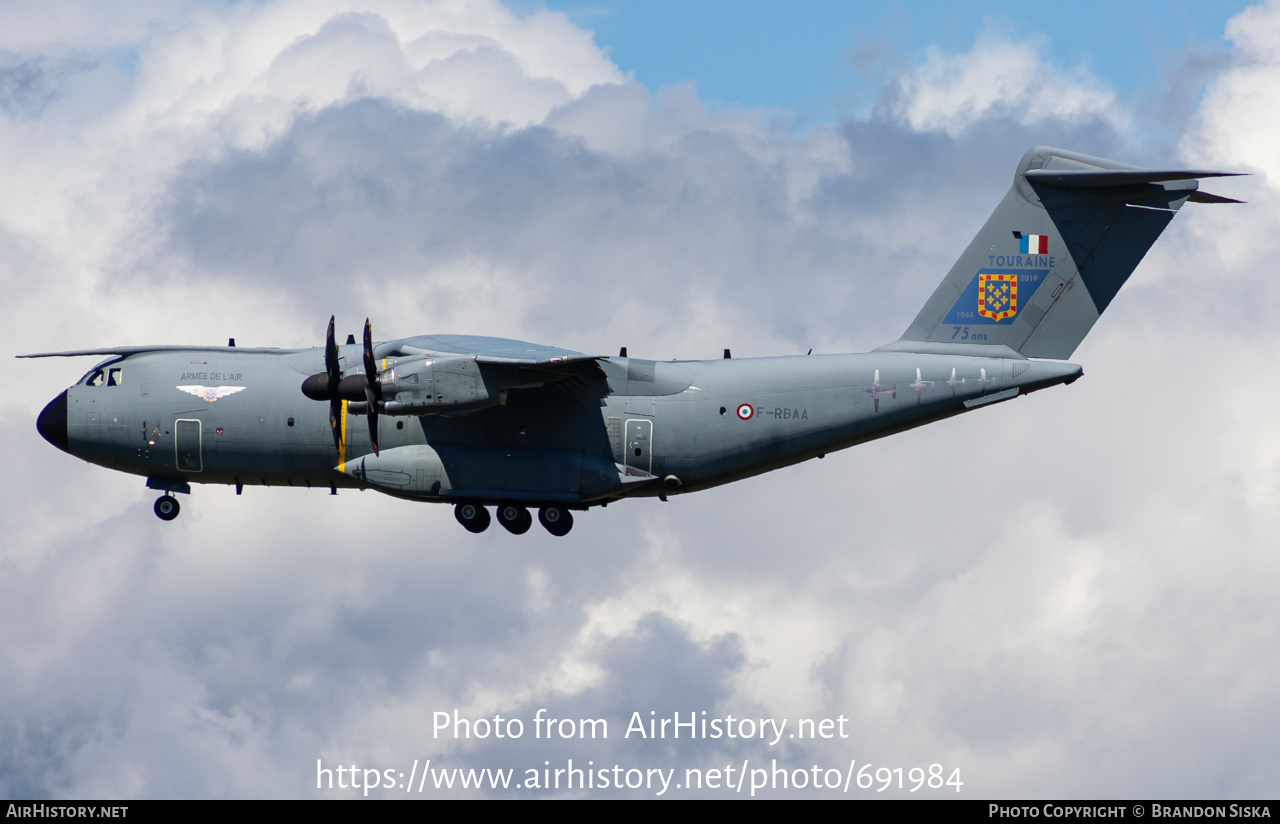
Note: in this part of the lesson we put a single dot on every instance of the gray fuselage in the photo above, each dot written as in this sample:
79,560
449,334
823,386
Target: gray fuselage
238,417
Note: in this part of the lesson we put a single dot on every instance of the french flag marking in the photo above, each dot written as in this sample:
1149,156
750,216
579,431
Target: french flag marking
1033,244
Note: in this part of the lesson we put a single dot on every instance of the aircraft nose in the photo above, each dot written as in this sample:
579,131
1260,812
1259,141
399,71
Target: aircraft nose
52,423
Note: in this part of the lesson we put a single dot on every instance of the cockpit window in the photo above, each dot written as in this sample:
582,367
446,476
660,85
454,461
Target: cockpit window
107,376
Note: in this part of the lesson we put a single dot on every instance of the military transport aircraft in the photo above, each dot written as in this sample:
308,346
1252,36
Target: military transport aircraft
479,422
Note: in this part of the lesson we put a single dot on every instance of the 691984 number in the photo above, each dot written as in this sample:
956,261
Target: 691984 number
887,777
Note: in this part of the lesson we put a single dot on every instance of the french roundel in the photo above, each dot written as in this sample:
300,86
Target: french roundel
746,411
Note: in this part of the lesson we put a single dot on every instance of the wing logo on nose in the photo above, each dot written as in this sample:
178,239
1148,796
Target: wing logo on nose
210,393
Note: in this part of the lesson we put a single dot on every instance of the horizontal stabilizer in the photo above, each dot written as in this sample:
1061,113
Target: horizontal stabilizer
1205,197
1104,178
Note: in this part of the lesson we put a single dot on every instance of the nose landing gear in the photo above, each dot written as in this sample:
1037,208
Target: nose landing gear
167,507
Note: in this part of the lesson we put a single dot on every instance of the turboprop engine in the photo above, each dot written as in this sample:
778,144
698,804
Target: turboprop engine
412,385
418,386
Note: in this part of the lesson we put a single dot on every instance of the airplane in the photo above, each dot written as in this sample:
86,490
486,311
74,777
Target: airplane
481,422
875,390
921,386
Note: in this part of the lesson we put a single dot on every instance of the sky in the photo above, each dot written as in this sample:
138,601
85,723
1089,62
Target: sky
824,59
1084,611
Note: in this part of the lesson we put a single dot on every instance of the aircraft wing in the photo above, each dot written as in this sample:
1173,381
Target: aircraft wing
551,362
497,350
522,365
481,347
124,351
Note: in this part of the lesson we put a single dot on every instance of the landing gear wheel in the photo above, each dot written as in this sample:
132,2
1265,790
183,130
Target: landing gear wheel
167,507
472,516
556,520
515,518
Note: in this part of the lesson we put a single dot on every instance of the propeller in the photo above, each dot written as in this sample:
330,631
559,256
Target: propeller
325,385
331,386
332,378
372,388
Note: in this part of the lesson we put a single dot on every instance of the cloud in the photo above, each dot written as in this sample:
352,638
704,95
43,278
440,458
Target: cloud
998,78
1237,116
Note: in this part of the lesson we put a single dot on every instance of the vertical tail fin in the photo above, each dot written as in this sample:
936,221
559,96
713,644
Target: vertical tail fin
1055,252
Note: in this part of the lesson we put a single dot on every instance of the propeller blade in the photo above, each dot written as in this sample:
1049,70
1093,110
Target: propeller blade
331,358
372,399
370,365
323,386
372,389
327,385
330,377
335,422
335,375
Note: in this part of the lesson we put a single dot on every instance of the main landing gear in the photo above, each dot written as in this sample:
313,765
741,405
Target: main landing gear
514,518
472,516
167,507
556,520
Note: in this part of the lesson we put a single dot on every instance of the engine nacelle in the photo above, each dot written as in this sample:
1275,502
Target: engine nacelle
420,386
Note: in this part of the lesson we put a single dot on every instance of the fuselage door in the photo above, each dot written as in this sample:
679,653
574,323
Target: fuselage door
638,452
187,443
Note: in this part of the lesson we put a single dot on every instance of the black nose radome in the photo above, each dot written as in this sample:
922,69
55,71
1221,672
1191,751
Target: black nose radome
52,423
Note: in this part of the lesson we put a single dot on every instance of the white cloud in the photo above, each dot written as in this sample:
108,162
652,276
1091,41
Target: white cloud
1234,130
1238,120
997,78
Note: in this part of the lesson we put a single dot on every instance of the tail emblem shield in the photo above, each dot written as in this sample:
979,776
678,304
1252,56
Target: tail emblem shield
997,296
